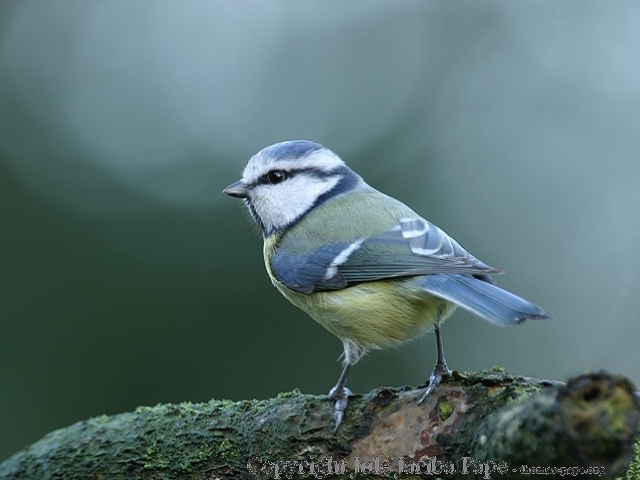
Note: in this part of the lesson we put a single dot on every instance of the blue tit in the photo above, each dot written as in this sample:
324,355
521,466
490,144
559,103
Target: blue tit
362,264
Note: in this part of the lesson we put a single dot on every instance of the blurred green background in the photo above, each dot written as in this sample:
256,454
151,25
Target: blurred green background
127,278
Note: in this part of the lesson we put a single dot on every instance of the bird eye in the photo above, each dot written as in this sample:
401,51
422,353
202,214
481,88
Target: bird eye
276,176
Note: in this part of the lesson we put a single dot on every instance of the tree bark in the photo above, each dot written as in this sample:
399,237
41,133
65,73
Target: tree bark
487,425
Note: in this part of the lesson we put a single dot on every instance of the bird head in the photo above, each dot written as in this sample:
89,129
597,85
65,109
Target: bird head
285,181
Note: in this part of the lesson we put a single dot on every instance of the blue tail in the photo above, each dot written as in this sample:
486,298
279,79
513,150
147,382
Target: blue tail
482,298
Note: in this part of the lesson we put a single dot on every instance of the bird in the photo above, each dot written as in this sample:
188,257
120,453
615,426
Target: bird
362,264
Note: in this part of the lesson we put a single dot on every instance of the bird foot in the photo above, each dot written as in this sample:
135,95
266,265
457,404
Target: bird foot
440,371
341,396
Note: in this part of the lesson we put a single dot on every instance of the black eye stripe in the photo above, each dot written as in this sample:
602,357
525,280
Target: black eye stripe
273,177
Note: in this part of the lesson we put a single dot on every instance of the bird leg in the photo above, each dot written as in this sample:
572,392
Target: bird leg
440,370
340,394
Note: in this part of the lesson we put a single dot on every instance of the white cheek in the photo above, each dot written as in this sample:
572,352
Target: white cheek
279,205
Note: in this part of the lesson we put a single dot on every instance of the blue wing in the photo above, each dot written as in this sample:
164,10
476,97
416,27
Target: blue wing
412,247
484,299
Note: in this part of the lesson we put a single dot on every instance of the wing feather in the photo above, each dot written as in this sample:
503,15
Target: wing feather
412,247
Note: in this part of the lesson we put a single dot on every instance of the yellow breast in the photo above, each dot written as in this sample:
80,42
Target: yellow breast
372,315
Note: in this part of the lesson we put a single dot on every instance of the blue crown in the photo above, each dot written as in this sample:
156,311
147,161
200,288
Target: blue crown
292,149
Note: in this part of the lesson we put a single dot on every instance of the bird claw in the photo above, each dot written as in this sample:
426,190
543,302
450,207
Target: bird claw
341,396
439,372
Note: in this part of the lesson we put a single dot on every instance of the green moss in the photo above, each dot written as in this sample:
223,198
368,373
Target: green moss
185,440
477,392
228,451
634,470
444,410
294,393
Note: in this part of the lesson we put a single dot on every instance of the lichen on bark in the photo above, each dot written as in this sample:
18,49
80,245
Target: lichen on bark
472,423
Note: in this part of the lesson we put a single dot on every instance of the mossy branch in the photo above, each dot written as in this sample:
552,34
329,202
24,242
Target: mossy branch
487,425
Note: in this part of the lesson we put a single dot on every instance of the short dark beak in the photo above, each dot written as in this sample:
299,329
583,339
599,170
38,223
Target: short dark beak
237,189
